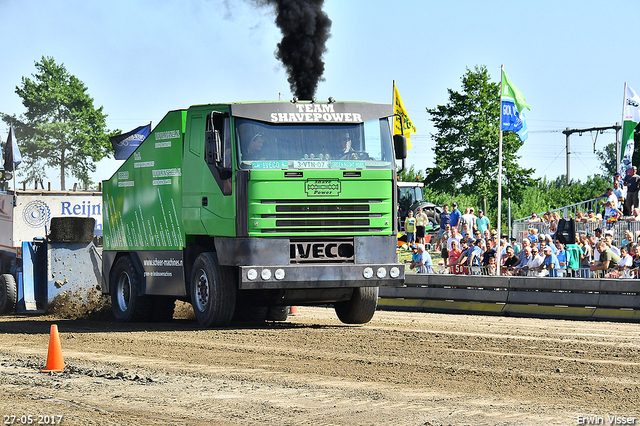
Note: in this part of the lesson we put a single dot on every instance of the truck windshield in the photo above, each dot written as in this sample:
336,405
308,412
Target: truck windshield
314,146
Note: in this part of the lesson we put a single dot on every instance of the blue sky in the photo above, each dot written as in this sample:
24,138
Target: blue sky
142,58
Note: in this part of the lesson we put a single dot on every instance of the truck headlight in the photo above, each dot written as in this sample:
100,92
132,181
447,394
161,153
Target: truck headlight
266,274
252,274
368,272
382,272
279,274
394,272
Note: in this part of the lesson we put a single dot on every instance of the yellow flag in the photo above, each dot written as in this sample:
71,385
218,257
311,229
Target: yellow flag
406,121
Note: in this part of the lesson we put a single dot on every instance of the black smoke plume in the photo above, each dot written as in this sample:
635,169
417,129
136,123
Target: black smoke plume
305,30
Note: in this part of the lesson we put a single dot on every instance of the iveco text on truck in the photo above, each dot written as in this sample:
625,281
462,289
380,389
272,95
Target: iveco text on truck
247,207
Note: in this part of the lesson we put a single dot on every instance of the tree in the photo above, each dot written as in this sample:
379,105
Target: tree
410,175
466,150
607,156
61,128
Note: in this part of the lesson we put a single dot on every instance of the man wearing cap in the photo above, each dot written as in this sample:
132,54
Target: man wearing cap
482,222
455,216
516,247
550,261
424,264
414,257
591,216
632,182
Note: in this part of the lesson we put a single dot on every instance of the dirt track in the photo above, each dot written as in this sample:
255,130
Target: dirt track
402,368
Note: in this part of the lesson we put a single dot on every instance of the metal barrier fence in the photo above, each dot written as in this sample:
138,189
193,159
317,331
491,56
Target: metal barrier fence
570,210
522,229
600,298
551,272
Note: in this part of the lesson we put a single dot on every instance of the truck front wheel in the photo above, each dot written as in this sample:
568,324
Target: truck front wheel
8,294
213,292
126,302
360,308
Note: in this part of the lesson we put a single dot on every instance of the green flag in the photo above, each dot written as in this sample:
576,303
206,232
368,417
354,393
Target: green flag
510,91
630,121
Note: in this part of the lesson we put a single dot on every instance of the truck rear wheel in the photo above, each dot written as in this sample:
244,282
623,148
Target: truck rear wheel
213,292
126,302
360,308
8,294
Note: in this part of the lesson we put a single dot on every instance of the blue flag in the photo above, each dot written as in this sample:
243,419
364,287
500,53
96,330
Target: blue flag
513,106
126,143
510,117
12,155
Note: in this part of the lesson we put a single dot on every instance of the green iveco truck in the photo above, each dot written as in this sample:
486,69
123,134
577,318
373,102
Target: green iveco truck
246,208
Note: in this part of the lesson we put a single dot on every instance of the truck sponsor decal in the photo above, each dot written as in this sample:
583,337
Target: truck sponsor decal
85,209
143,164
308,251
348,164
166,144
36,214
264,165
316,117
322,187
169,134
166,172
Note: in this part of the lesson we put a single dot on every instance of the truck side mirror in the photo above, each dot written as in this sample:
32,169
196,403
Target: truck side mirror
213,147
400,145
213,153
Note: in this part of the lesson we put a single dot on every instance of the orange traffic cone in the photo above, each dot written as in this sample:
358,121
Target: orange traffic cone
55,362
293,311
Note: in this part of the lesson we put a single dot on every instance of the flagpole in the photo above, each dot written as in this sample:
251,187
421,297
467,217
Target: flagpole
498,251
619,152
393,102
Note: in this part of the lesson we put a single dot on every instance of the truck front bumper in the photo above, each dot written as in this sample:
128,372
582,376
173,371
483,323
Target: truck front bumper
321,276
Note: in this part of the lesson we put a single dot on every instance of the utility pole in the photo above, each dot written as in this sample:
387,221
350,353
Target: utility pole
568,132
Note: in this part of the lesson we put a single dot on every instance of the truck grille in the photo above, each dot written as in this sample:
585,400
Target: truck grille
321,216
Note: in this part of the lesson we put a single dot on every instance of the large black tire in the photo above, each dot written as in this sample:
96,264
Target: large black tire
360,308
278,313
126,302
8,294
213,292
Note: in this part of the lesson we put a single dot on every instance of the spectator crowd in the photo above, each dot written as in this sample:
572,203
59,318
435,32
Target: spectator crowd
469,245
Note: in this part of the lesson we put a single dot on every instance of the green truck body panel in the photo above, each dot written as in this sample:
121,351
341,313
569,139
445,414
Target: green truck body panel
359,205
144,197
